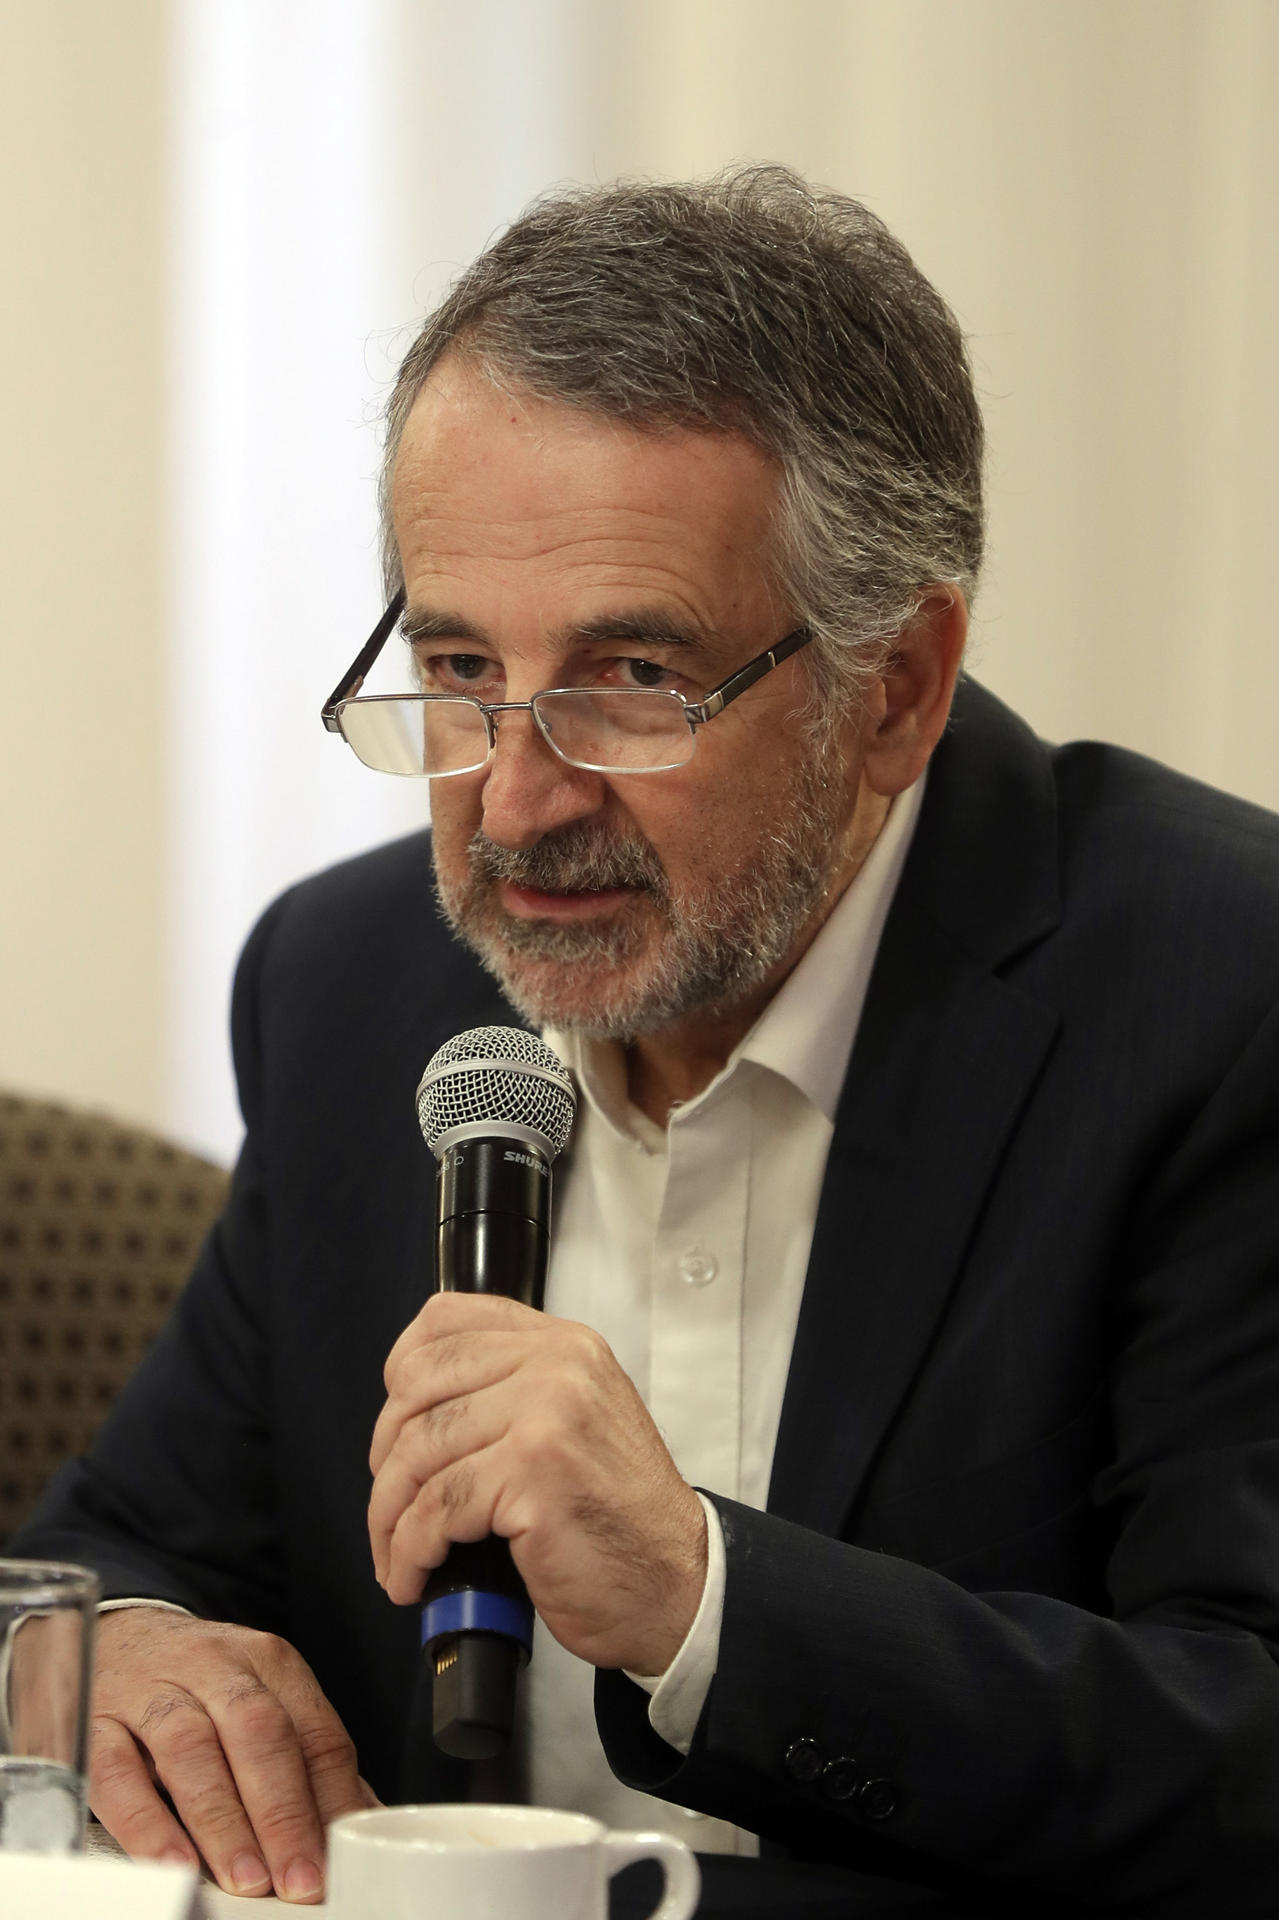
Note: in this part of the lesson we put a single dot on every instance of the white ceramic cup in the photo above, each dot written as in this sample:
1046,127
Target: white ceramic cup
504,1863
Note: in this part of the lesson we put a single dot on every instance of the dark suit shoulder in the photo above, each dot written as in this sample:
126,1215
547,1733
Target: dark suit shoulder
386,880
1135,905
1020,836
1174,886
1167,946
353,975
374,917
1095,778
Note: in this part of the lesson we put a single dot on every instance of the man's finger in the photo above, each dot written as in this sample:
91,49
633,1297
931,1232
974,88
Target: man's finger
395,1490
123,1797
456,1505
449,1368
192,1767
447,1312
431,1445
327,1749
425,1445
264,1755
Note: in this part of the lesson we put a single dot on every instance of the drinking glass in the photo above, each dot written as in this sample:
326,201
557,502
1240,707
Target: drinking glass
47,1615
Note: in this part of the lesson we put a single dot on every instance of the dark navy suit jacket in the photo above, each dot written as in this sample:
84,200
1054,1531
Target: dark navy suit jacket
1011,1618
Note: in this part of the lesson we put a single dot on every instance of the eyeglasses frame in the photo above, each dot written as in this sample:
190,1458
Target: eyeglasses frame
697,713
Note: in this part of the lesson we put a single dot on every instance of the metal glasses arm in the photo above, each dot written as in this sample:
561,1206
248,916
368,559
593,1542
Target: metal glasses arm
354,677
698,714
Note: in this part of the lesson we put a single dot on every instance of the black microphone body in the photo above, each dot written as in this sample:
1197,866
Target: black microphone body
492,1235
493,1218
493,1214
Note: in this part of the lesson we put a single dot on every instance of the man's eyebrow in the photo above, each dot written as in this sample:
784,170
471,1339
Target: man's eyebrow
645,626
430,623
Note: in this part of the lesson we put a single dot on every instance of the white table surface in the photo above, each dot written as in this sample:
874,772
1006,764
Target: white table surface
216,1904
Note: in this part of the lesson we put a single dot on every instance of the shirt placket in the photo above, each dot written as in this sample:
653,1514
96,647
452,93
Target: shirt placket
695,1383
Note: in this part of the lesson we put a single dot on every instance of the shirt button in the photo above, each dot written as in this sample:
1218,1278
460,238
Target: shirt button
698,1268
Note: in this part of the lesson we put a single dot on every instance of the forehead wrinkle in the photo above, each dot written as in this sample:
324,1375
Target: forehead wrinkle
631,533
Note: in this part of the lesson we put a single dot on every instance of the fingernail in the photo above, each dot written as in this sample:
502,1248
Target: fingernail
248,1872
177,1857
302,1881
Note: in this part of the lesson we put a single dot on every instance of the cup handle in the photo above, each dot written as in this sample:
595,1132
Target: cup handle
683,1876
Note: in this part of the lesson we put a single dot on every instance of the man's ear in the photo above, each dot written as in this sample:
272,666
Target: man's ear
909,705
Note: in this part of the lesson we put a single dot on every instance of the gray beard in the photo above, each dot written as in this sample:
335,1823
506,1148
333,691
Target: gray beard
712,949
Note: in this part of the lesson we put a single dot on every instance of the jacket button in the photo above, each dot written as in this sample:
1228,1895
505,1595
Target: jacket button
803,1761
841,1778
877,1800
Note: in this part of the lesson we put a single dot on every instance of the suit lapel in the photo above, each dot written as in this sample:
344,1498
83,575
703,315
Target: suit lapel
946,1056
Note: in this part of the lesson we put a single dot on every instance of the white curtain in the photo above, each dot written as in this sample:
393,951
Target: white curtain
284,289
1092,185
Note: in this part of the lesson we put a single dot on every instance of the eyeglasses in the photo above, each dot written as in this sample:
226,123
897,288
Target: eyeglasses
600,729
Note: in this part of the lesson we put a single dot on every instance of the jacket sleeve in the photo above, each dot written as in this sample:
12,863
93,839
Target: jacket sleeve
175,1500
873,1711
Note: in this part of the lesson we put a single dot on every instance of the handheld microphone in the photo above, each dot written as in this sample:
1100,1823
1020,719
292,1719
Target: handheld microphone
496,1106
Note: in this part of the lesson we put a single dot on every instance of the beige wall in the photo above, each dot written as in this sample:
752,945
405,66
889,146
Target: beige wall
1091,182
82,330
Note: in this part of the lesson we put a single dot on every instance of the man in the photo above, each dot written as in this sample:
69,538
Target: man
923,1202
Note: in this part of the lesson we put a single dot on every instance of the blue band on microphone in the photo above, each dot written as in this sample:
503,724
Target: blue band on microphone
473,1612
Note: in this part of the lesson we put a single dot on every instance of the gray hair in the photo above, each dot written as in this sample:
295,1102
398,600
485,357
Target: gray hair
750,303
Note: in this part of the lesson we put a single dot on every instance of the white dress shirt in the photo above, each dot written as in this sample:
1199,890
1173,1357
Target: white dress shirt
686,1247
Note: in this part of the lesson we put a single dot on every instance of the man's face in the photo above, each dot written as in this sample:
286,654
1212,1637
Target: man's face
546,547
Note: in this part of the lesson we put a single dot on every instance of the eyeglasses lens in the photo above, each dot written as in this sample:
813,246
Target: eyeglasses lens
629,730
416,736
606,731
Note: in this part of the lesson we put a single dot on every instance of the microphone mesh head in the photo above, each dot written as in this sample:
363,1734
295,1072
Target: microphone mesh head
500,1076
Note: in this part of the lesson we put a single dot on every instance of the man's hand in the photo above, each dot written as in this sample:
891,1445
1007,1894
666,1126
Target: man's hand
234,1727
502,1420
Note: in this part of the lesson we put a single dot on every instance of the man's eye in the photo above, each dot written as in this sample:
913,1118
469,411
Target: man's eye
467,666
451,670
645,673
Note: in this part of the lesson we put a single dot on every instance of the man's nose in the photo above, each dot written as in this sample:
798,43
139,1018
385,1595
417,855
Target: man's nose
528,790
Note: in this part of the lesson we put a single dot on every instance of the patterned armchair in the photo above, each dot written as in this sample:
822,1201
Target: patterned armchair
99,1226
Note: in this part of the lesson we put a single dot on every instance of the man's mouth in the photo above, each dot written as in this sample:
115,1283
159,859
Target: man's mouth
582,874
586,903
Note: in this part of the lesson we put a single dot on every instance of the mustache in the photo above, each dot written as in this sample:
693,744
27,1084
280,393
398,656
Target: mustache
580,859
